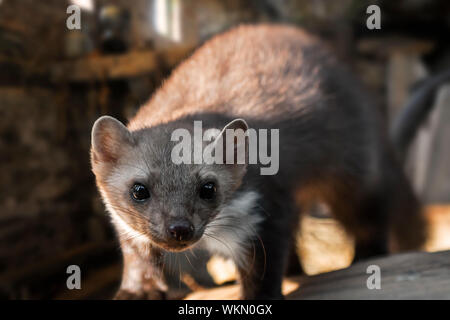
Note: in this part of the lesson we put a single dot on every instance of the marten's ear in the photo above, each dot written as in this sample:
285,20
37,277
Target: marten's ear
109,139
234,142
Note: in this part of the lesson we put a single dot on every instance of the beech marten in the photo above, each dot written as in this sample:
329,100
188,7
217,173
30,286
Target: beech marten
332,146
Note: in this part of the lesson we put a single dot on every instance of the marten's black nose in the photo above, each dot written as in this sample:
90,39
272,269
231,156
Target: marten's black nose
181,231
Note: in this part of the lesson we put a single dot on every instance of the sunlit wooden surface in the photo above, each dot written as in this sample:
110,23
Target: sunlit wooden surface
325,247
418,275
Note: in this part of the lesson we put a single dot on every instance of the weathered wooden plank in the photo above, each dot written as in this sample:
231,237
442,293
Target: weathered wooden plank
417,275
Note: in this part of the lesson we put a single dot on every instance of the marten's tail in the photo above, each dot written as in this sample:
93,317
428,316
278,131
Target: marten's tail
408,225
416,110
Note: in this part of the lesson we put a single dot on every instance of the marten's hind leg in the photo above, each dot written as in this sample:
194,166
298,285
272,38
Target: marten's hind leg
365,217
385,217
371,229
408,227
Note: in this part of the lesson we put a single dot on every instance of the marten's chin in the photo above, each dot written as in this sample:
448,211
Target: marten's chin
179,248
173,246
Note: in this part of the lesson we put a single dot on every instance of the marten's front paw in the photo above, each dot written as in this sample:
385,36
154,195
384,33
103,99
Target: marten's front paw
140,295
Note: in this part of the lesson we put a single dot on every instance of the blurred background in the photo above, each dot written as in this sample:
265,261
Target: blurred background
55,82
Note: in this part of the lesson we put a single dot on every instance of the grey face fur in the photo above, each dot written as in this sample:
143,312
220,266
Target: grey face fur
122,158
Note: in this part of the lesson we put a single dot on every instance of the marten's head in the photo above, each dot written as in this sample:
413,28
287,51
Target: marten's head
154,194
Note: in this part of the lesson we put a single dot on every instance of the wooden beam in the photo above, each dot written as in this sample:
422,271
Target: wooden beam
385,46
129,65
105,67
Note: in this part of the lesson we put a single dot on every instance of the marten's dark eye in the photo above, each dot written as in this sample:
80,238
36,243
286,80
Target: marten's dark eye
208,191
139,192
